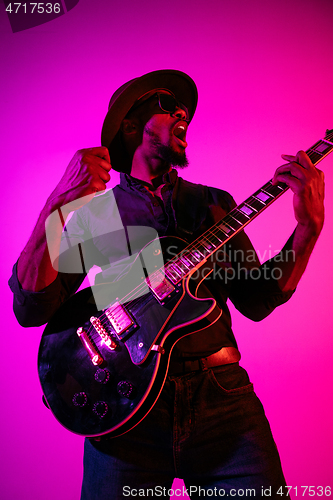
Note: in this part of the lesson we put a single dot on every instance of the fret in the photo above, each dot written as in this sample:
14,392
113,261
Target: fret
197,254
194,259
215,237
275,190
242,217
202,249
173,273
232,222
222,236
314,157
255,203
329,135
185,259
319,151
249,206
247,209
208,244
262,196
181,264
225,228
266,192
322,147
171,276
234,215
176,268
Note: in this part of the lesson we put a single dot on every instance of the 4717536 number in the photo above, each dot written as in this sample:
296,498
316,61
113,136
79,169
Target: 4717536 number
311,491
33,8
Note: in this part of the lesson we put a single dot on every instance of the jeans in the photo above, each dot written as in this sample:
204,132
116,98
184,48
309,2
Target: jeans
207,427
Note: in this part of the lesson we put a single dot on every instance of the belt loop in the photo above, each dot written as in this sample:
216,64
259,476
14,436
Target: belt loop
203,364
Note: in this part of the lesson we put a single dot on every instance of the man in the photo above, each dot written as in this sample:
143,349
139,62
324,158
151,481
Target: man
207,426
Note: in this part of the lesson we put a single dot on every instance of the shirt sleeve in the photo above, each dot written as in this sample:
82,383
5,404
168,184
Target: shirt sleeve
36,308
254,289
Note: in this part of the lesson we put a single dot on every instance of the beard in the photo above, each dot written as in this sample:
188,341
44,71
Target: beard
168,154
172,157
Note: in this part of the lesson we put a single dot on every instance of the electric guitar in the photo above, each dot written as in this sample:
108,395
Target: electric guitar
102,370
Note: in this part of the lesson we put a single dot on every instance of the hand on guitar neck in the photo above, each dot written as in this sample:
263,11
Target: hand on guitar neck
307,183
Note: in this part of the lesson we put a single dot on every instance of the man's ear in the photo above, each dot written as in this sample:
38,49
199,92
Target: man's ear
129,127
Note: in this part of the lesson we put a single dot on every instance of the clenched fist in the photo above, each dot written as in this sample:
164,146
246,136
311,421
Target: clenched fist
86,174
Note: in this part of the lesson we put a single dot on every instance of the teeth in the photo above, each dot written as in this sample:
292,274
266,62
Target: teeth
180,131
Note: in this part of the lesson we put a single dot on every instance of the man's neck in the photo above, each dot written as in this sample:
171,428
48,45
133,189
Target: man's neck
151,173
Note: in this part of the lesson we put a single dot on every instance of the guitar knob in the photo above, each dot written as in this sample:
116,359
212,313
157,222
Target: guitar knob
100,409
80,399
125,388
102,376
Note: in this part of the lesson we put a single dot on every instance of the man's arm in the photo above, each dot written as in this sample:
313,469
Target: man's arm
256,290
86,174
307,184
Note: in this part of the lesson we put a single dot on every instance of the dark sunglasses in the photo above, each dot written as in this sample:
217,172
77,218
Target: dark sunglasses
167,103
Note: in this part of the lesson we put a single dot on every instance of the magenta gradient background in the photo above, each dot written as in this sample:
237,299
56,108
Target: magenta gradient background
265,78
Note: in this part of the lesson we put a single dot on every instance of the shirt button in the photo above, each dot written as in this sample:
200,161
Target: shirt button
155,204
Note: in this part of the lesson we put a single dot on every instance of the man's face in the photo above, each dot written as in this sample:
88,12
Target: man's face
164,135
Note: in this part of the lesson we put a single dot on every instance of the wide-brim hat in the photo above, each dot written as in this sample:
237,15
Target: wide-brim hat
179,83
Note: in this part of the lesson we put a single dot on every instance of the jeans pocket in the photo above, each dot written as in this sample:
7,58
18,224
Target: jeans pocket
231,384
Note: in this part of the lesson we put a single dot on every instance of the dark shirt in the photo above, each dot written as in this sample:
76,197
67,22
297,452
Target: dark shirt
116,225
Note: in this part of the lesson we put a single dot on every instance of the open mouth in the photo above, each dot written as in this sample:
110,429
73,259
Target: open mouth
179,131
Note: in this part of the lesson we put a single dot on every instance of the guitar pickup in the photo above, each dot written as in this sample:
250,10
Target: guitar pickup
159,285
119,318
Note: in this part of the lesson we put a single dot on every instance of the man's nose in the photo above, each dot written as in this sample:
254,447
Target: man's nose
180,113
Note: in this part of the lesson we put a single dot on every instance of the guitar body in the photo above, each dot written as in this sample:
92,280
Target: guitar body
115,395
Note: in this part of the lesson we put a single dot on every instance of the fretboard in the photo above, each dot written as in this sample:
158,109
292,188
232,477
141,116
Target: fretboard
195,254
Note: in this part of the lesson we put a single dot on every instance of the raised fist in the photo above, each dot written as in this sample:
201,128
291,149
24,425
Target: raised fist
86,174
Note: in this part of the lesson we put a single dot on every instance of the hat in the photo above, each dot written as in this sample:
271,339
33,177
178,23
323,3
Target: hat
180,84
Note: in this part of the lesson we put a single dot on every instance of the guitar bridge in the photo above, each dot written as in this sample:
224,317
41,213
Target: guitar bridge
94,355
108,341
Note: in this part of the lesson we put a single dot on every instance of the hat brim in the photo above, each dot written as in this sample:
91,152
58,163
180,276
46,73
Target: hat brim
182,86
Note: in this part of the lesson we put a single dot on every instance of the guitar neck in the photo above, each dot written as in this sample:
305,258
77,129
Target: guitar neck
208,243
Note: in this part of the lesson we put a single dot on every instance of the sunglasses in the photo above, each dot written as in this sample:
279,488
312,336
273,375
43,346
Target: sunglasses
167,103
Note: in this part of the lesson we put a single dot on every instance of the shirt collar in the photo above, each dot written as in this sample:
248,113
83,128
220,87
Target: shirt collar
127,180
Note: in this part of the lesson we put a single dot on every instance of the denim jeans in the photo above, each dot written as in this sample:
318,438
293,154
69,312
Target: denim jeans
207,427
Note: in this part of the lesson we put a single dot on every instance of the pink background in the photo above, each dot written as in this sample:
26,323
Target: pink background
265,78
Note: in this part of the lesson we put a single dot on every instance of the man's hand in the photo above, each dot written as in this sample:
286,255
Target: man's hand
86,174
307,183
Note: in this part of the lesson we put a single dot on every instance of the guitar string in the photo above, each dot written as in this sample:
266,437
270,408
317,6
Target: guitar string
215,231
194,246
132,297
191,247
197,246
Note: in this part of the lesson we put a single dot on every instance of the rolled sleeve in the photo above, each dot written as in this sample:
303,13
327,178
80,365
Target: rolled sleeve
36,308
257,298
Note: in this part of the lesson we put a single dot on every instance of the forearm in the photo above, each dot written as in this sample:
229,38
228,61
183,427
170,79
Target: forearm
294,256
307,184
35,268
